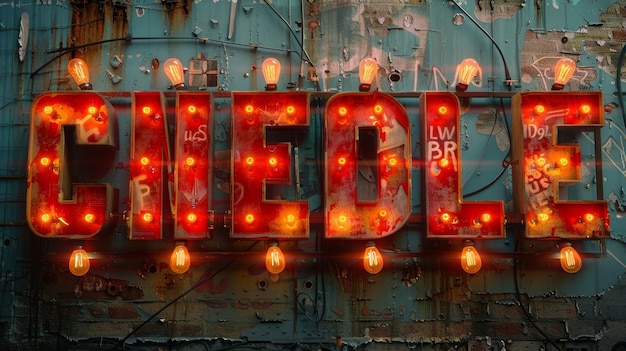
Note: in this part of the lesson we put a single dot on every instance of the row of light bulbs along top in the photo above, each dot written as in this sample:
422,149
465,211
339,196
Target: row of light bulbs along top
466,71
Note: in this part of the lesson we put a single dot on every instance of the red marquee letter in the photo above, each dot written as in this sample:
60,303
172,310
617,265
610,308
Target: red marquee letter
546,165
259,165
368,157
68,132
447,216
149,152
193,165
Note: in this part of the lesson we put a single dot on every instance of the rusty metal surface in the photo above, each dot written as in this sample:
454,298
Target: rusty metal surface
422,300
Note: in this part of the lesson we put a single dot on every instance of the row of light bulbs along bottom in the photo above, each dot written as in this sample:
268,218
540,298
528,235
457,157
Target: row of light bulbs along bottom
180,260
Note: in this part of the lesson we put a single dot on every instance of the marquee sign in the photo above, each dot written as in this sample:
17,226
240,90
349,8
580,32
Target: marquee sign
149,157
447,215
547,165
66,131
192,186
367,163
368,158
258,162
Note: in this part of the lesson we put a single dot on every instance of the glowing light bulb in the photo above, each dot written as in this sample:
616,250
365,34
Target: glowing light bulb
571,262
585,109
92,110
290,110
470,259
80,72
378,109
79,262
174,71
147,217
442,110
90,218
144,161
539,109
368,68
291,219
274,259
342,219
445,217
372,259
466,71
192,109
190,161
271,73
249,218
44,161
146,110
180,259
249,161
192,218
273,162
589,217
46,217
563,71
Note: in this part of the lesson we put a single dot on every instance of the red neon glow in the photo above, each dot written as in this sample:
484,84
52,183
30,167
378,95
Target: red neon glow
193,166
447,215
192,218
386,123
547,168
56,208
90,218
149,151
260,164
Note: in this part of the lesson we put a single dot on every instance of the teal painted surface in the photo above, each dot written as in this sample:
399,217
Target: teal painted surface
418,40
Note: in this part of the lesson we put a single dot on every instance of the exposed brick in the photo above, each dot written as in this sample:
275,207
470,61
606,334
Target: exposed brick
539,46
96,311
619,34
506,311
122,312
553,308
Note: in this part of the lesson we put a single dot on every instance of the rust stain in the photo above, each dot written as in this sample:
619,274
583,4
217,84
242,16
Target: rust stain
87,27
177,13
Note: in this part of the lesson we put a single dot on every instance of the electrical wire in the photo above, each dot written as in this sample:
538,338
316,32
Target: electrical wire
306,55
129,37
518,295
507,75
192,288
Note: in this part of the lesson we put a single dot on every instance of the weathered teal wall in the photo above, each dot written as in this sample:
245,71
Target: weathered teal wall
520,300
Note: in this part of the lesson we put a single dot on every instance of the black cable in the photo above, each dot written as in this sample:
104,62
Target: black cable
192,288
486,186
518,295
307,58
129,37
507,75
